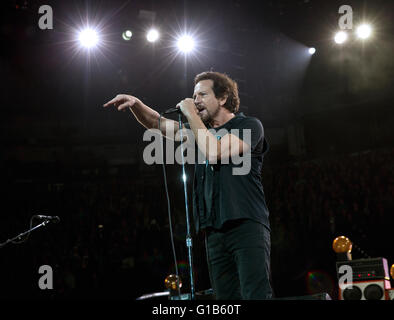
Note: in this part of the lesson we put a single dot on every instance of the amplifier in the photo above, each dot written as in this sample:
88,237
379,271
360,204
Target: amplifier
366,269
364,290
390,294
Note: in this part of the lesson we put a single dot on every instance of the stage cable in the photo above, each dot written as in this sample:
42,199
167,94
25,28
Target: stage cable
169,208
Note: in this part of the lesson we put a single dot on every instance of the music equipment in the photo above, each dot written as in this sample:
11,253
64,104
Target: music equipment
172,110
363,290
367,269
370,280
390,294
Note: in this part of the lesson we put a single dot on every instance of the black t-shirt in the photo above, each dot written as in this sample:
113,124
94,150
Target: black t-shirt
221,195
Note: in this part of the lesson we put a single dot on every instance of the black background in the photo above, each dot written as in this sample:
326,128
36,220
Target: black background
328,118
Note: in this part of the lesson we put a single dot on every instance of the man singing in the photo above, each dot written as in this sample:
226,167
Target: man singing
228,207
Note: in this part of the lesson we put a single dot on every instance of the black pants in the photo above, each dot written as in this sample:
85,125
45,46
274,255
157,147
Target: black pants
239,261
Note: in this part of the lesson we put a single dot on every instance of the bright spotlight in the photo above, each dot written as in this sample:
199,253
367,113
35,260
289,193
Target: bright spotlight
126,35
340,37
363,31
312,50
88,38
185,44
152,35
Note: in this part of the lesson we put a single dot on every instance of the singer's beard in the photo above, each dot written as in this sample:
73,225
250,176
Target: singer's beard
205,120
207,117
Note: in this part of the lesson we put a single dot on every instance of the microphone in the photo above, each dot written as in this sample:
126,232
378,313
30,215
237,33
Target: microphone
172,110
54,219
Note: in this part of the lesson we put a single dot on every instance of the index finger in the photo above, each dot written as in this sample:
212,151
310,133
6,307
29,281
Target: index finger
111,101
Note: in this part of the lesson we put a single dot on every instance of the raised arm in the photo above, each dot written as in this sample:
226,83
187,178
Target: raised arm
145,115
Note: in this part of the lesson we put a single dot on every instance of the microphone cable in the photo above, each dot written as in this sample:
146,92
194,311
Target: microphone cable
169,210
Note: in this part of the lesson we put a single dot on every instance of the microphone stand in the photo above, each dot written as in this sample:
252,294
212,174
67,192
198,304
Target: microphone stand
189,243
42,224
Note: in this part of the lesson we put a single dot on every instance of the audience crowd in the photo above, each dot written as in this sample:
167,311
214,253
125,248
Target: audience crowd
113,239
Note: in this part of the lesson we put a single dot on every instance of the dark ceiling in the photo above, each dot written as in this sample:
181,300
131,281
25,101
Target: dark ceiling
46,78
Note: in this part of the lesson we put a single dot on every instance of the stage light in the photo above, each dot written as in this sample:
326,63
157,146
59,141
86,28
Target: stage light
88,38
185,44
126,35
152,35
312,50
363,31
184,177
340,37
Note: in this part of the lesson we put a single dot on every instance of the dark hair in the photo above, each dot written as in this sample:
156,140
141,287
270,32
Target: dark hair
222,85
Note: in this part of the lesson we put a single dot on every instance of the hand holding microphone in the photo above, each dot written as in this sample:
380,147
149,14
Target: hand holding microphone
186,106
